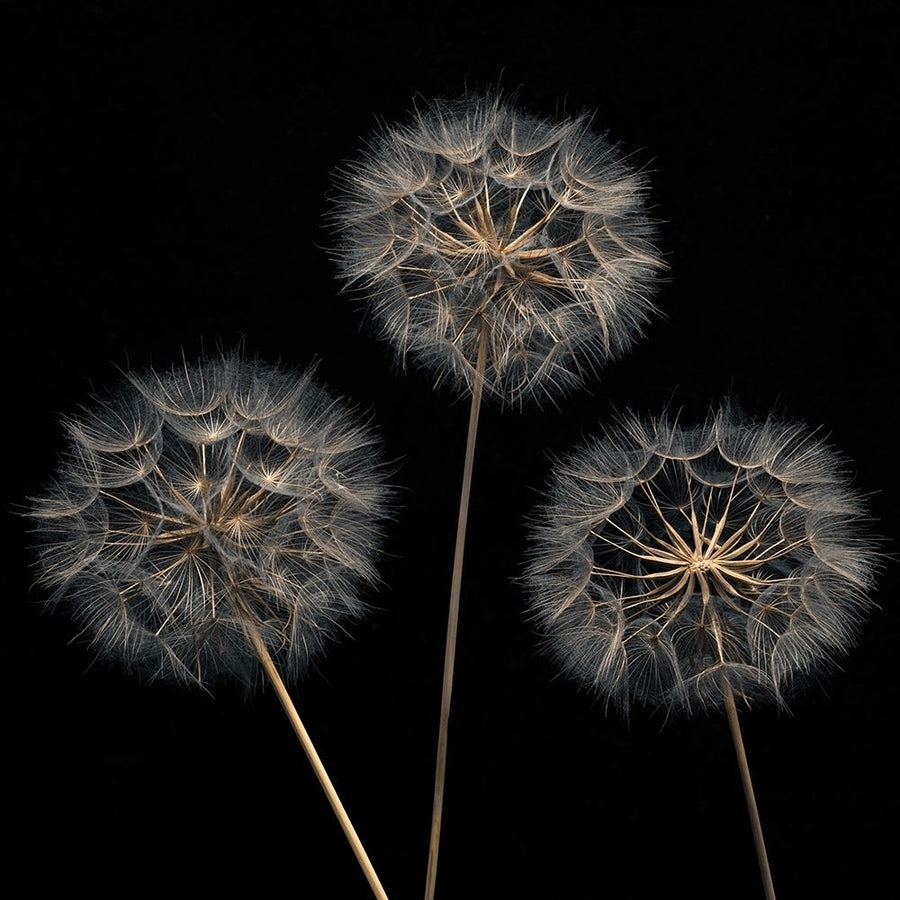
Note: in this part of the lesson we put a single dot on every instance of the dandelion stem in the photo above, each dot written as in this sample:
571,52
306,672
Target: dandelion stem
301,732
450,649
748,793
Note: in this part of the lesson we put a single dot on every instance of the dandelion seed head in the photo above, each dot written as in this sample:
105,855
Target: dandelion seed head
476,222
195,503
669,564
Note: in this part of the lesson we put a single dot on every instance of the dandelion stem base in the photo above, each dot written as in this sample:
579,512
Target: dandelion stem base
761,854
305,740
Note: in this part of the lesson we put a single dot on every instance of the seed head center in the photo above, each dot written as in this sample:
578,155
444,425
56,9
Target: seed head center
699,564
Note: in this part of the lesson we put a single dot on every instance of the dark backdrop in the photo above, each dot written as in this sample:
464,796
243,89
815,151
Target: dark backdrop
165,170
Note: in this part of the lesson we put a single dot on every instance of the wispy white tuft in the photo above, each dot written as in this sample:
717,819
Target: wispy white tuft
669,563
475,221
200,504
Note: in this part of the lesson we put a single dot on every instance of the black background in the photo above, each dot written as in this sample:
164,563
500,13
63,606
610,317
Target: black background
166,168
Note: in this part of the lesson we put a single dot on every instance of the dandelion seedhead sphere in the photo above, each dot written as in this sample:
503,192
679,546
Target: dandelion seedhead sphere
196,505
476,223
671,564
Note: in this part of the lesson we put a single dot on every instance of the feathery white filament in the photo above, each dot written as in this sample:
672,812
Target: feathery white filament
671,564
200,502
477,216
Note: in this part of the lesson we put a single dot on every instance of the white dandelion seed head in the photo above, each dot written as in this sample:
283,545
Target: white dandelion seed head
475,222
195,503
668,563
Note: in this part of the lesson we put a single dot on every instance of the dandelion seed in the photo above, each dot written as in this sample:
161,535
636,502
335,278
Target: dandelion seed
216,522
478,223
684,567
722,556
510,255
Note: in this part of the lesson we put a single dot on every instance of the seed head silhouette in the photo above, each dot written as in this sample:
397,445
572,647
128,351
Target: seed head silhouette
194,502
477,224
670,565
217,522
683,567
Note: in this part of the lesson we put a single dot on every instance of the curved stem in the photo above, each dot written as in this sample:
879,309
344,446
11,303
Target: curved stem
301,732
731,709
450,649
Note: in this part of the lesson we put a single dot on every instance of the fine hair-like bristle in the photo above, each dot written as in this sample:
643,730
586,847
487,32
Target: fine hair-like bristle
197,503
670,564
475,221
